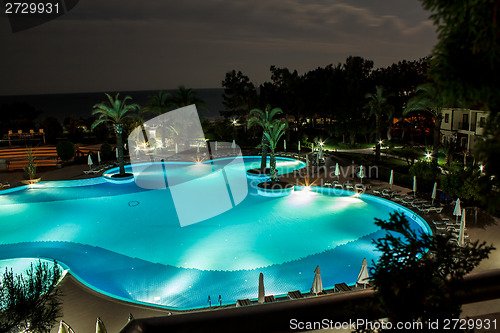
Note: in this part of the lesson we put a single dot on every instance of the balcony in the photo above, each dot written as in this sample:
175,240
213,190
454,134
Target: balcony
465,126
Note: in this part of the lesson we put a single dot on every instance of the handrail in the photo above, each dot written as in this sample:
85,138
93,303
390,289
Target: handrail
277,317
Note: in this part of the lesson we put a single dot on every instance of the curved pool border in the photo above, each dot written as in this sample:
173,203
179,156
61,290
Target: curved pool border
419,220
329,191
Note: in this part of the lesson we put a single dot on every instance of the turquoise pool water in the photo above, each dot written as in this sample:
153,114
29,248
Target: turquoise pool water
128,241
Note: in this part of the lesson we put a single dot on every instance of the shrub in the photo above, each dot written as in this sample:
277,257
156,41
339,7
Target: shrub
30,301
425,170
65,150
106,152
463,184
418,276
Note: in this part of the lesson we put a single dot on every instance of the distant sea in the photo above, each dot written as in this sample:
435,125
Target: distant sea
79,105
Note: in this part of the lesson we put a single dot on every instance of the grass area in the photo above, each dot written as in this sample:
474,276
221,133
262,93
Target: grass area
340,145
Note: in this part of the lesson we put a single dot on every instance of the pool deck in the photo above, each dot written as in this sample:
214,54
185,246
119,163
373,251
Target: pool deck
82,305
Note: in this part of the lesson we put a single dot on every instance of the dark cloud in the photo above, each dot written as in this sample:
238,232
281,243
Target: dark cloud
132,45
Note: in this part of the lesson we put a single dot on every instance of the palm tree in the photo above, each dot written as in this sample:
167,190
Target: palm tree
158,103
180,98
378,106
273,135
184,97
115,111
430,100
264,119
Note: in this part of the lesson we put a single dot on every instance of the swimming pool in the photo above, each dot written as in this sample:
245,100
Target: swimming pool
127,241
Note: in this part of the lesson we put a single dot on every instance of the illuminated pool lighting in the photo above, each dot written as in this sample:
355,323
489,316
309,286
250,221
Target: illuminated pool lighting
132,237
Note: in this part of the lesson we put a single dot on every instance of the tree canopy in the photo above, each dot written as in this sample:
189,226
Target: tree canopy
417,275
466,60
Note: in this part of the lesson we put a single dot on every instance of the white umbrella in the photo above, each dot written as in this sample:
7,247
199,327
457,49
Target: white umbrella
317,285
320,151
176,148
457,211
99,157
116,150
261,288
461,235
363,277
198,147
414,186
284,145
216,145
391,179
99,326
299,146
337,170
307,160
434,190
233,145
361,173
89,161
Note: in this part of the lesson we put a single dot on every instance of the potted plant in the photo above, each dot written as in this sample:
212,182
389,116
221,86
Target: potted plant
30,168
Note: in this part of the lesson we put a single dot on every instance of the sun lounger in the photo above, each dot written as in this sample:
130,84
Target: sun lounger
295,294
407,200
349,187
359,188
269,299
387,193
397,198
243,302
4,185
417,203
339,186
327,184
342,287
376,192
427,209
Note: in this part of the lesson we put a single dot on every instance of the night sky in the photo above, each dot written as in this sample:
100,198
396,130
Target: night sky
112,45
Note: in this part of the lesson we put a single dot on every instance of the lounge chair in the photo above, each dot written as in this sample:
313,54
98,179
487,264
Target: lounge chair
342,287
407,200
269,299
349,187
418,202
327,184
432,209
387,193
340,186
359,188
4,185
295,294
243,302
397,198
376,191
